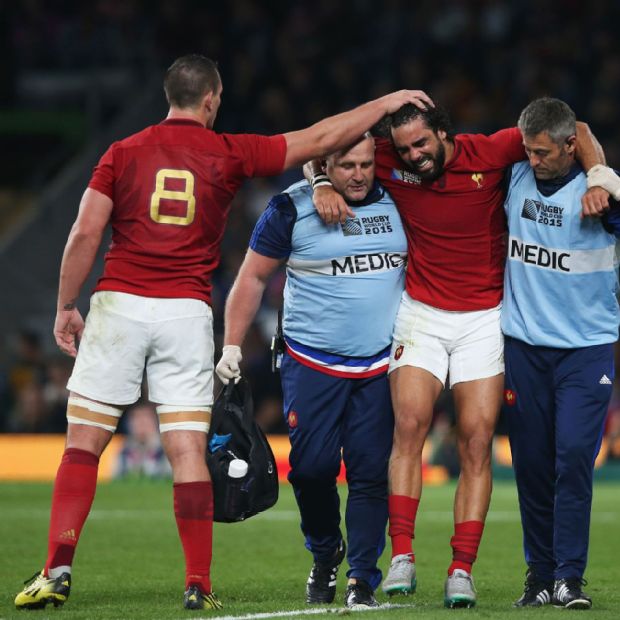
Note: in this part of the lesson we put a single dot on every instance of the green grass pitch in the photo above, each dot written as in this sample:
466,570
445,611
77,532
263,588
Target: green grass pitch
129,563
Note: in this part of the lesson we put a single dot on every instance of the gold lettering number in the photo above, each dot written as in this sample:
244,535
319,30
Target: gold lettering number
186,196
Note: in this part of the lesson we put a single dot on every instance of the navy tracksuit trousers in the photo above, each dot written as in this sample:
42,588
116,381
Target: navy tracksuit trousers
330,418
557,401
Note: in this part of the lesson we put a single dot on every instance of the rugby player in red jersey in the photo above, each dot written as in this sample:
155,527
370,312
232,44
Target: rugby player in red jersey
449,190
166,191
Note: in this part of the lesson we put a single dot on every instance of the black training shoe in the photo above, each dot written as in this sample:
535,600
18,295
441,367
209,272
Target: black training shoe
41,590
321,584
536,592
567,593
359,595
195,598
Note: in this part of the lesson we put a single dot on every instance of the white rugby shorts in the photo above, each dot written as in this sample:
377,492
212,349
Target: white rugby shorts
125,334
464,345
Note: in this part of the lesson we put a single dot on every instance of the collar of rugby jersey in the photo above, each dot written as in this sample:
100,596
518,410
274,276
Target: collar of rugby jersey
181,121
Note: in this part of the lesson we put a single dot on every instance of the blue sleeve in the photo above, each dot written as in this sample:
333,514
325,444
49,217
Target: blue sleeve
506,181
611,218
274,229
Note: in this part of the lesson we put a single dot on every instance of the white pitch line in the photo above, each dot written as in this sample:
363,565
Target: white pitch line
307,612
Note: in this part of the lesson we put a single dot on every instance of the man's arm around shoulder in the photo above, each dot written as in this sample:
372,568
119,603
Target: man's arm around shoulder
338,132
589,153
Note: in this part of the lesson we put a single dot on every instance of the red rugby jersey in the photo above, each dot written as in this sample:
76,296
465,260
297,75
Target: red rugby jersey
455,225
172,185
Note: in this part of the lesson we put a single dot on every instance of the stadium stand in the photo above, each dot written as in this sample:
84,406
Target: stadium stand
76,75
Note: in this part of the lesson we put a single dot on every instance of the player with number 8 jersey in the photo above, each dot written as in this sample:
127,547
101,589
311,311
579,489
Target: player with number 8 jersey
172,185
166,192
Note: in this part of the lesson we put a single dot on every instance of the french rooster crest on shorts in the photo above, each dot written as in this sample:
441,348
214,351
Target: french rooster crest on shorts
510,397
399,351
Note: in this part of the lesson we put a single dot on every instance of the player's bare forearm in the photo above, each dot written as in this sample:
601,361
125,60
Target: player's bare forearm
330,205
589,151
337,132
82,245
77,261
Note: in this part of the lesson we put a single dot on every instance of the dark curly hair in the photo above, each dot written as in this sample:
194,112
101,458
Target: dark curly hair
436,118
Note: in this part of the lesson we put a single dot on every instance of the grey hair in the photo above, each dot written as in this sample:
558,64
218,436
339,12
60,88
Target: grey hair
365,136
549,115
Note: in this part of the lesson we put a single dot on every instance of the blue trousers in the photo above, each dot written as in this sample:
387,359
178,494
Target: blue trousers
557,401
331,418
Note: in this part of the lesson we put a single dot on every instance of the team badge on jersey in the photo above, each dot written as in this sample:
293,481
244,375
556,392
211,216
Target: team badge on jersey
399,351
292,419
477,178
510,397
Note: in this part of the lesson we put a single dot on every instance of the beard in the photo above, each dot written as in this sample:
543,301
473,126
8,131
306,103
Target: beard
438,159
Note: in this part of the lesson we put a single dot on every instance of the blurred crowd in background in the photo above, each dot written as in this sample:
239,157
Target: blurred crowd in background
284,65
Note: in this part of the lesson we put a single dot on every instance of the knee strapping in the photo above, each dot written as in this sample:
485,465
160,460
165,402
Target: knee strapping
184,418
90,413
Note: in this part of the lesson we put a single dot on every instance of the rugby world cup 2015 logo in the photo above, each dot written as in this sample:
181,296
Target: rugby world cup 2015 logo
351,226
543,213
399,352
406,177
292,419
530,209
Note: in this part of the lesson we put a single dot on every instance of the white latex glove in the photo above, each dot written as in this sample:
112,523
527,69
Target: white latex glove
605,177
228,366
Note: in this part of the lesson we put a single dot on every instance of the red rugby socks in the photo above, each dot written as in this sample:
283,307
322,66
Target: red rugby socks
193,509
465,543
402,511
74,491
